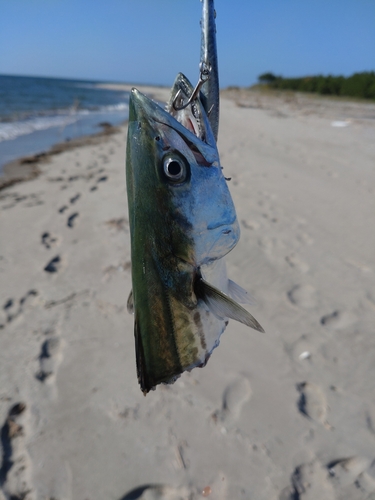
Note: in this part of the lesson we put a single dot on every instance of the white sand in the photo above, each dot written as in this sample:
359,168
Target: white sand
289,414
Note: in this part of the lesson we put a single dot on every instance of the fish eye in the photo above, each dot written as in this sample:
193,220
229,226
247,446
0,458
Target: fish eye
174,169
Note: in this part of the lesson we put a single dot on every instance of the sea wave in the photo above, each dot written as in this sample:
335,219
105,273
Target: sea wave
9,131
122,106
60,119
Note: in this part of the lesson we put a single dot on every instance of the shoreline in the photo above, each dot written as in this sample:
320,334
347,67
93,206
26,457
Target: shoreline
27,168
156,92
48,112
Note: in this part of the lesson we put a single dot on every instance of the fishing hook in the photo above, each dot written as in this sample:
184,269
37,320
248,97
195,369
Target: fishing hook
204,75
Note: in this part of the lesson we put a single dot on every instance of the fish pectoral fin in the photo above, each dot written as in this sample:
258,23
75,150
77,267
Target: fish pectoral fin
239,294
130,303
222,306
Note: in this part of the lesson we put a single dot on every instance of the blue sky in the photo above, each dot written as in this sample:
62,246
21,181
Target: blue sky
149,41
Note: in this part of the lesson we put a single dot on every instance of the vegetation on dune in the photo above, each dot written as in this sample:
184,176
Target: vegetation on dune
360,85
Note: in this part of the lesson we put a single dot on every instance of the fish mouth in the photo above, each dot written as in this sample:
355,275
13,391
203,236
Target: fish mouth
191,122
226,225
193,116
226,232
222,239
190,116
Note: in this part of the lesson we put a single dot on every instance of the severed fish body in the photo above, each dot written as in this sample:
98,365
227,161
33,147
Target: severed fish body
182,223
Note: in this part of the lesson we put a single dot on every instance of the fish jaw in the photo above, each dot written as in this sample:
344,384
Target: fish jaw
209,215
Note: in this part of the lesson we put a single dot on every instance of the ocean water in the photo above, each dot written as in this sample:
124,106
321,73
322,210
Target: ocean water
36,113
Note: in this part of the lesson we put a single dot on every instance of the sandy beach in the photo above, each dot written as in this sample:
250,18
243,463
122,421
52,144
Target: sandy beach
284,415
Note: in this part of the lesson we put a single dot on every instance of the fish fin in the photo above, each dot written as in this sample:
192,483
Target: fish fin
223,306
130,303
239,294
140,359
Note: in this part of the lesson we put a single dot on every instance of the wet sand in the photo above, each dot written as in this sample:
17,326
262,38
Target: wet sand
285,415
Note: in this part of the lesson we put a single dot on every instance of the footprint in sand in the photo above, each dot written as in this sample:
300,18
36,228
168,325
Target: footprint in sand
103,178
344,471
158,492
295,262
302,296
313,403
49,359
302,349
338,320
14,308
311,482
48,240
354,475
72,219
15,470
29,298
235,396
54,265
9,310
75,198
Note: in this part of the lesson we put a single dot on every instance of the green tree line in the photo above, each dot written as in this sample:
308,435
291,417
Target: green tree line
358,85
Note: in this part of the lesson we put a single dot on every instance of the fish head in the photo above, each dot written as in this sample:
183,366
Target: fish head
176,188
